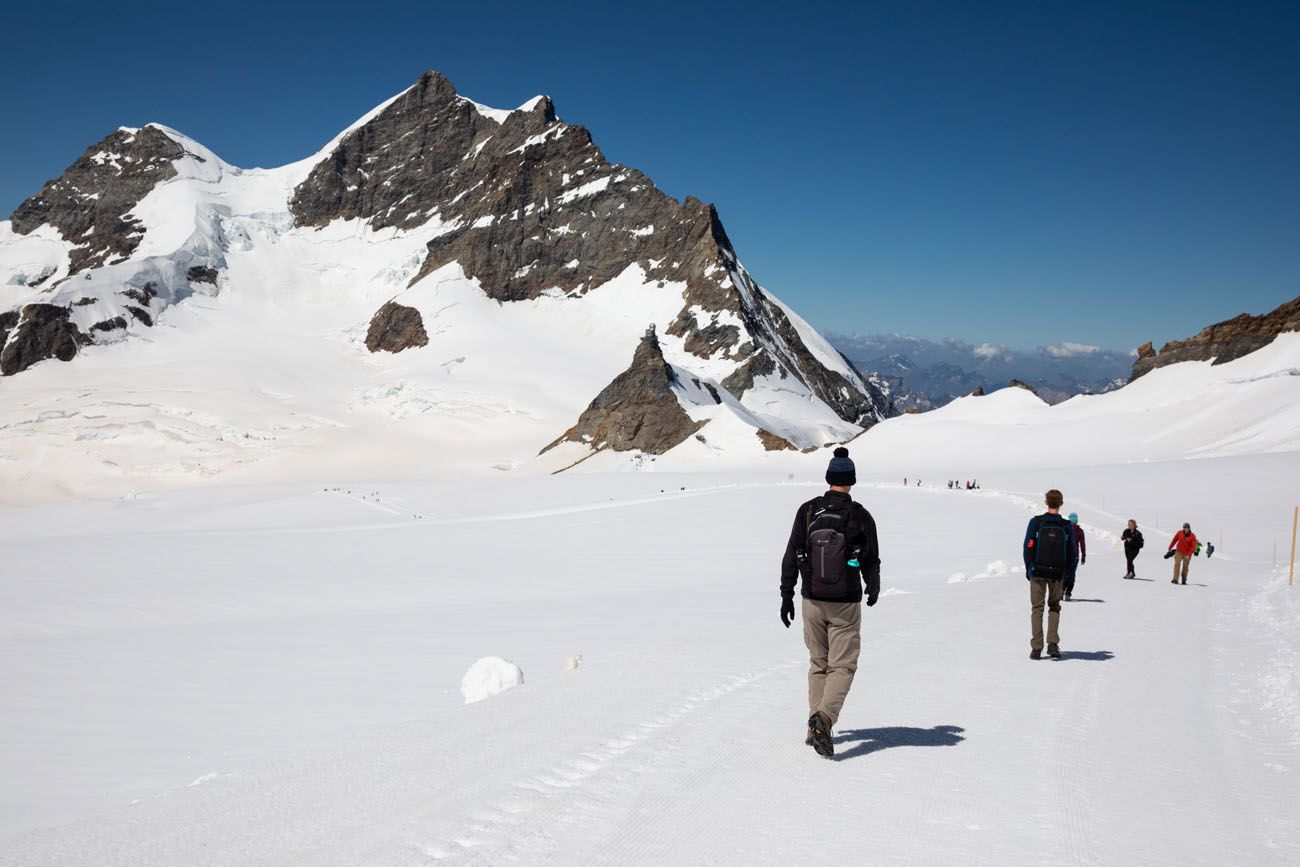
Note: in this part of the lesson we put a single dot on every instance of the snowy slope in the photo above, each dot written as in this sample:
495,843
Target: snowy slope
1190,410
285,691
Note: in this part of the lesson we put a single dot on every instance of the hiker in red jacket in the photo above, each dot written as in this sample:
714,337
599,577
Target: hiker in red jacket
1183,546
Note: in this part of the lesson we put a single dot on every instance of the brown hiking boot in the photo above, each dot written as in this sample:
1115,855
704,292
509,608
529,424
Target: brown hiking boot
1036,653
1054,651
821,735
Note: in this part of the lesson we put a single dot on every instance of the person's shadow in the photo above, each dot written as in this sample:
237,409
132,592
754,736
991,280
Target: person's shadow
868,741
1087,600
1093,655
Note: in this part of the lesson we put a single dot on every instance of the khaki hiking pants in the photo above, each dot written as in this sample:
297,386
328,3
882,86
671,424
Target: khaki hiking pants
833,633
1041,591
1183,560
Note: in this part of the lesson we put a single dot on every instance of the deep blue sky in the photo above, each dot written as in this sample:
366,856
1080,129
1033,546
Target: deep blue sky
1017,172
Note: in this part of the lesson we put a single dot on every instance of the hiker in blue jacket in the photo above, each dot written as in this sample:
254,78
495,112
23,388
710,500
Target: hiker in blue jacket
1050,555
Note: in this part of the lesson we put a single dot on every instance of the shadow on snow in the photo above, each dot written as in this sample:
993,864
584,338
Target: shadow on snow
866,741
1093,655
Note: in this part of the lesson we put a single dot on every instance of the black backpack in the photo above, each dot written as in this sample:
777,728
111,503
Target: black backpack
1052,548
827,548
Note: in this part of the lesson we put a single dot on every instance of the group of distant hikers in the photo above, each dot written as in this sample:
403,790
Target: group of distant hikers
954,484
833,554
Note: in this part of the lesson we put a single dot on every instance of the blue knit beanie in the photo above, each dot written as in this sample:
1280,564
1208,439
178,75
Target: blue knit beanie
841,472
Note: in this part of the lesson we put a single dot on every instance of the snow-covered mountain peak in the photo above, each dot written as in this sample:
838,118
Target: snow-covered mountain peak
428,255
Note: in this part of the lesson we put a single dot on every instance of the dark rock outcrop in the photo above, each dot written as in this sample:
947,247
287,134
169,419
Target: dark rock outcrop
742,379
395,327
977,391
141,295
637,410
109,324
90,201
201,274
533,206
1015,383
1223,341
37,332
774,443
8,320
140,315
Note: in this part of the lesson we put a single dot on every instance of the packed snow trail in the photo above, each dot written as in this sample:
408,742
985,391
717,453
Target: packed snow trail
1168,733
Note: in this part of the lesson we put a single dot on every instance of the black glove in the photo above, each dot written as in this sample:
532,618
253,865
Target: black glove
787,610
871,599
1169,553
1083,560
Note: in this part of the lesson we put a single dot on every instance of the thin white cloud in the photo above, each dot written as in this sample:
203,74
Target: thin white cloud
986,351
1069,350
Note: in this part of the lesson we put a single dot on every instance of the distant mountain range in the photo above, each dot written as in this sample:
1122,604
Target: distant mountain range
920,374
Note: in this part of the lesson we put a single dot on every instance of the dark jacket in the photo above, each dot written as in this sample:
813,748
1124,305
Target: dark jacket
1031,533
1132,539
861,534
1079,541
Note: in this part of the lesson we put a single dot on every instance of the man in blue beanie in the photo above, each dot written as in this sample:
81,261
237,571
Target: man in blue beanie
832,552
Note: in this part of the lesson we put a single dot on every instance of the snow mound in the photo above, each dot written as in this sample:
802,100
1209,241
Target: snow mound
996,569
490,676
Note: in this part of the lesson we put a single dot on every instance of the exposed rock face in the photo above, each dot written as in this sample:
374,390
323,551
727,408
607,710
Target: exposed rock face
1015,383
37,332
7,322
638,410
89,202
977,391
530,205
202,274
395,327
140,315
109,324
774,443
1223,341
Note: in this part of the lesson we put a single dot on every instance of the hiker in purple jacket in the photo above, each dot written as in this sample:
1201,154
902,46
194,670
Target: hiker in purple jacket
1081,554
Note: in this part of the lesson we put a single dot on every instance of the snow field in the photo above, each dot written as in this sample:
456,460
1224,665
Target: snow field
274,659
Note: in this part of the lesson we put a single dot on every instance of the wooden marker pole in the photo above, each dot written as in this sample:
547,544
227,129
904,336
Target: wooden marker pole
1295,518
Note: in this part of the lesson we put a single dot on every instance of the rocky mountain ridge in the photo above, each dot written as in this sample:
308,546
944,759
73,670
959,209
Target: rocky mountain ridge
519,203
1223,341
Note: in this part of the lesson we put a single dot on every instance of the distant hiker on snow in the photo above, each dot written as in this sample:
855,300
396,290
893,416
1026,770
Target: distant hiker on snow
1050,554
832,553
1133,542
1081,552
1183,547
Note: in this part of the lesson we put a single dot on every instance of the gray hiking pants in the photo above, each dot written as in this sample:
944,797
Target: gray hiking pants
833,633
